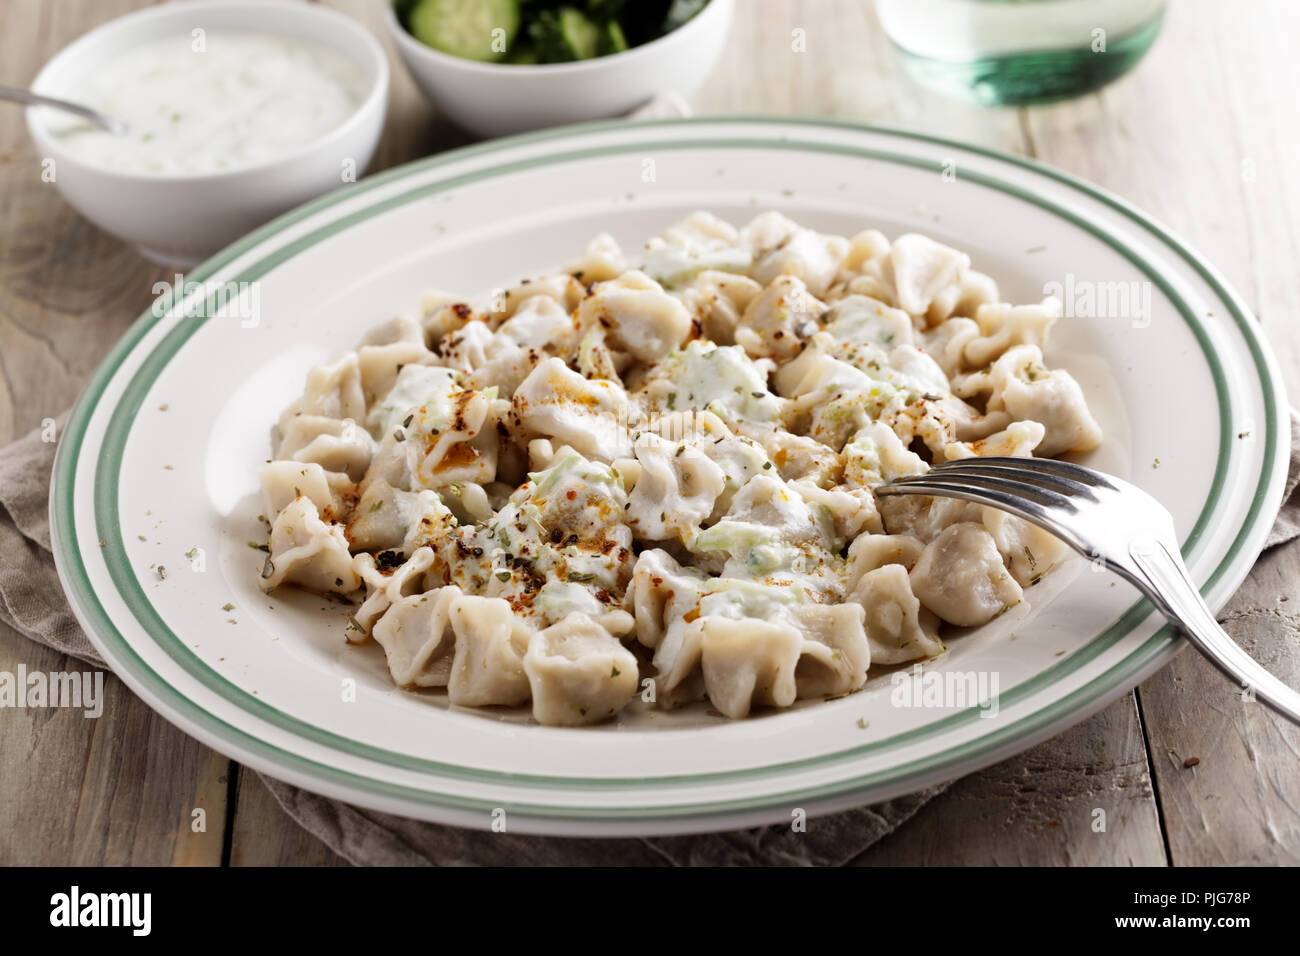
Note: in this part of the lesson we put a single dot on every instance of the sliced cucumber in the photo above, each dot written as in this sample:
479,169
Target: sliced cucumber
472,29
612,39
564,34
581,36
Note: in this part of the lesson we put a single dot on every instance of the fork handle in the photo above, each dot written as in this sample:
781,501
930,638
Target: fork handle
1163,577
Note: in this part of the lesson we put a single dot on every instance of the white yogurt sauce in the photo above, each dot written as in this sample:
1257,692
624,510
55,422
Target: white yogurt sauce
233,100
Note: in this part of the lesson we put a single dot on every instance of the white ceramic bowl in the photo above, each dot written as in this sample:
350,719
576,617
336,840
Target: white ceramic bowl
183,219
494,99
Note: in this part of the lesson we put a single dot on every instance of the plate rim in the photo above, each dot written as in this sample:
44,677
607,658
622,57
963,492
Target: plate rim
1148,657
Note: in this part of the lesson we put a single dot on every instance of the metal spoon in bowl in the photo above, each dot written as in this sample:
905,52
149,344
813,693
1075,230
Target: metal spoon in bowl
110,123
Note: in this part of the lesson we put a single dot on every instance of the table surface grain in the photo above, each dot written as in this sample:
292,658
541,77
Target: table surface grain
1203,135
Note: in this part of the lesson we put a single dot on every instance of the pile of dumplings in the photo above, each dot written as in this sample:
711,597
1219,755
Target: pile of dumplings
652,479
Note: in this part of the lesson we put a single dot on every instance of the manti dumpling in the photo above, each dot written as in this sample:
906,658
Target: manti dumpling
650,478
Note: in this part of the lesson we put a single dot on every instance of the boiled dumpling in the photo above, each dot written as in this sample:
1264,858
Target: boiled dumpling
747,663
960,577
925,270
893,617
639,317
588,414
417,637
488,667
308,552
578,672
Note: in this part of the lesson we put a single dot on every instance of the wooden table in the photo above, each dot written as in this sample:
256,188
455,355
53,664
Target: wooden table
1203,135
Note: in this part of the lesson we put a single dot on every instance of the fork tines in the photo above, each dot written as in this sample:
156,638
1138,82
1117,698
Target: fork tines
1065,470
1000,489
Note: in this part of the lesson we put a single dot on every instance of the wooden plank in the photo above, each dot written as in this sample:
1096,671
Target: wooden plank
264,835
1044,807
67,290
1239,802
121,788
1201,137
1227,193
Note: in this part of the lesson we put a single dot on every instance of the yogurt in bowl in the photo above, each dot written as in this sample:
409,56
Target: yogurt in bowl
238,110
212,103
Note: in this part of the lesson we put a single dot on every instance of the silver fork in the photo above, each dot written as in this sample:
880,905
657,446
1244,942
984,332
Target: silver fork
103,120
1108,520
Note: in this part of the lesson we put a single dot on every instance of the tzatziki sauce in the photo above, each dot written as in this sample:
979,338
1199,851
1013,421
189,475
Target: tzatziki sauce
211,102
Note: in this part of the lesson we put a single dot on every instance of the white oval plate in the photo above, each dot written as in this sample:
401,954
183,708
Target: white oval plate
159,457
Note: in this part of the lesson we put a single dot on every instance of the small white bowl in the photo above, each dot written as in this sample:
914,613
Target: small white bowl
493,99
182,219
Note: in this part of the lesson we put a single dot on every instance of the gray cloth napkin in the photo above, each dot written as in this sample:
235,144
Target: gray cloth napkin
32,602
